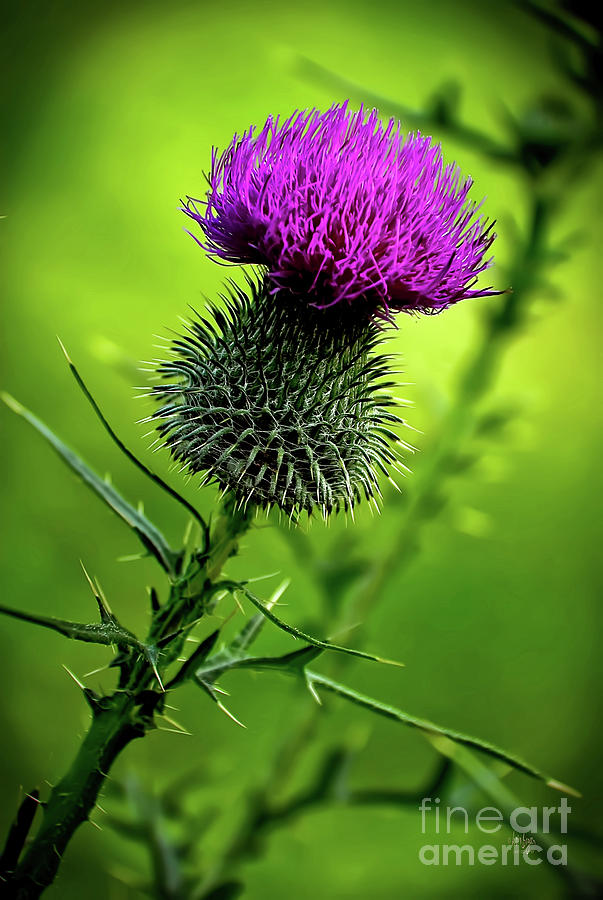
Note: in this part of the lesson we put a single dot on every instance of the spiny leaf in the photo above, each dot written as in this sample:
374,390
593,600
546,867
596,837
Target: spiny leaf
433,731
316,642
148,534
289,663
295,663
131,456
108,633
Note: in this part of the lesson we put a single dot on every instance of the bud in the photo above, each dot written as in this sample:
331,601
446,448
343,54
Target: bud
279,403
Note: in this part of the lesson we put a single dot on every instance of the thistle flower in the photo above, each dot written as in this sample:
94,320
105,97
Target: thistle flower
342,210
277,407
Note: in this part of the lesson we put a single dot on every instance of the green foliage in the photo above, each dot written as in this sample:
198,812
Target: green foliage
133,709
150,536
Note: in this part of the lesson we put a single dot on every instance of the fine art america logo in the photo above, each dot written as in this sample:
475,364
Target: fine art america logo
529,844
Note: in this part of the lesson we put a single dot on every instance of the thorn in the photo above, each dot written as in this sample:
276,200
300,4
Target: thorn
239,604
103,608
157,676
219,595
313,691
77,681
263,577
62,346
564,788
174,731
273,601
177,725
102,596
96,671
229,714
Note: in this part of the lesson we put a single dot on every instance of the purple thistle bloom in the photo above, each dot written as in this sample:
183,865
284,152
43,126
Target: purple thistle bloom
341,209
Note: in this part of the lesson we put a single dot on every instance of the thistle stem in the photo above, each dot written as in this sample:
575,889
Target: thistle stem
123,716
73,799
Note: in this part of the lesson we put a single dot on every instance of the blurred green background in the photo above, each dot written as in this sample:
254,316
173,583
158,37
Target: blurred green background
111,111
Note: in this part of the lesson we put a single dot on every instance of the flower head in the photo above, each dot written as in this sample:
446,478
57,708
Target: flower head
342,210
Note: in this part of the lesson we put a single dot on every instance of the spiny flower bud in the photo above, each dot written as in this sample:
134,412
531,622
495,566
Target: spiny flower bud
279,404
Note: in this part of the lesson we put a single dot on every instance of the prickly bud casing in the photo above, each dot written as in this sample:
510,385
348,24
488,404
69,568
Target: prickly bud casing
278,403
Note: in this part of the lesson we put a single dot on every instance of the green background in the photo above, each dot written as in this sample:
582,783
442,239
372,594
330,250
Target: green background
111,112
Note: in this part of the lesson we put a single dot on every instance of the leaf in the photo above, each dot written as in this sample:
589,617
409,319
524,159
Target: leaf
206,675
433,731
131,456
316,642
295,664
107,632
224,661
151,538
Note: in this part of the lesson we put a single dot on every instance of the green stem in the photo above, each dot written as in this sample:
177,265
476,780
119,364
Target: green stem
459,423
230,525
73,799
123,716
